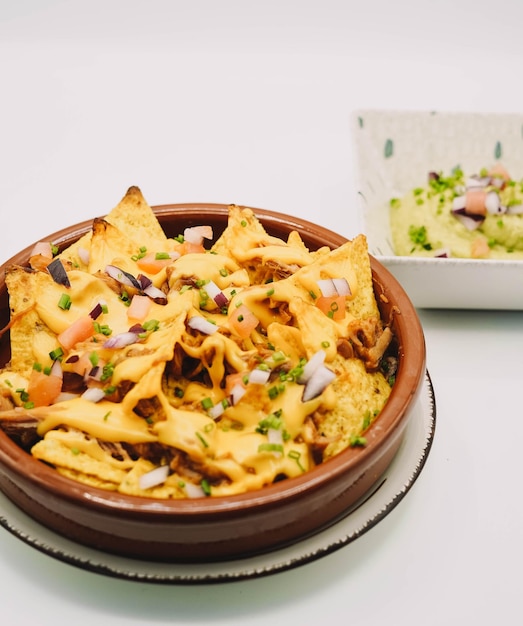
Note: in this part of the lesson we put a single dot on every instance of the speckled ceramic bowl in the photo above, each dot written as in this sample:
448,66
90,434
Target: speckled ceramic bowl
210,529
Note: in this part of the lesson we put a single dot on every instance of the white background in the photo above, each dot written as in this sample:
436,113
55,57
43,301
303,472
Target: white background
250,102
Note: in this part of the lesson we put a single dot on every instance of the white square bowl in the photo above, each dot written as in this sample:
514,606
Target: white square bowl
395,151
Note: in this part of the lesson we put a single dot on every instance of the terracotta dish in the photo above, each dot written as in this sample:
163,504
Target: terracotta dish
210,529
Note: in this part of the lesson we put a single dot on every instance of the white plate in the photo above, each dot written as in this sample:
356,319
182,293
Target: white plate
371,509
395,151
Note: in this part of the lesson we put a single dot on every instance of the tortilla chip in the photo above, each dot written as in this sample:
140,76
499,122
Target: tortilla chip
360,397
136,220
58,454
29,335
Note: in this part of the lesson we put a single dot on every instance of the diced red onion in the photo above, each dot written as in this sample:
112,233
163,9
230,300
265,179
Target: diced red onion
144,281
258,376
58,273
93,394
442,253
95,373
96,312
155,477
312,365
122,276
84,255
137,329
214,292
198,322
121,340
471,221
155,294
316,384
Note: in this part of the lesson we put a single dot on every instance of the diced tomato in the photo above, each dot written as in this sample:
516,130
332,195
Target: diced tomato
151,265
80,330
242,321
475,202
479,248
139,308
332,306
43,389
191,248
83,365
231,380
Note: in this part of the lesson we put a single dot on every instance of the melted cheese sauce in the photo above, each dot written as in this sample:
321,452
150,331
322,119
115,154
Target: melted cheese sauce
232,445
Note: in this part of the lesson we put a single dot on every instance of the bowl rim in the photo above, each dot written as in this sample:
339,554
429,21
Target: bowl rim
12,456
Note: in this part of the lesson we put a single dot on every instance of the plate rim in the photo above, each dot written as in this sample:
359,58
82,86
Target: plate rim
42,539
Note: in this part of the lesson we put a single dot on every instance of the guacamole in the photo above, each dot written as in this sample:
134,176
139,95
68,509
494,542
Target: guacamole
476,216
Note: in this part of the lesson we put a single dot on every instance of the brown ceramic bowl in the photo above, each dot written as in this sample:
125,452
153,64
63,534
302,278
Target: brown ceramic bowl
210,529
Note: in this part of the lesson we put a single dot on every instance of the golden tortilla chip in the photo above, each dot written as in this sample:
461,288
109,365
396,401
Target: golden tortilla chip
58,454
29,335
136,220
360,397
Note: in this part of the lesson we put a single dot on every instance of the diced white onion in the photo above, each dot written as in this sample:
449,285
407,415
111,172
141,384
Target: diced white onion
342,286
155,477
312,365
93,394
216,410
237,393
198,322
321,377
56,369
275,435
194,491
258,376
492,202
327,287
84,255
196,234
215,293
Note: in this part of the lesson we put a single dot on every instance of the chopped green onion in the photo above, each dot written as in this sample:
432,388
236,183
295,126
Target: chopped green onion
205,487
203,441
295,456
56,354
65,302
270,447
162,256
207,403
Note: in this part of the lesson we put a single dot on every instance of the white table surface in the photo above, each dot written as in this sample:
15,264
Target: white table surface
249,102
